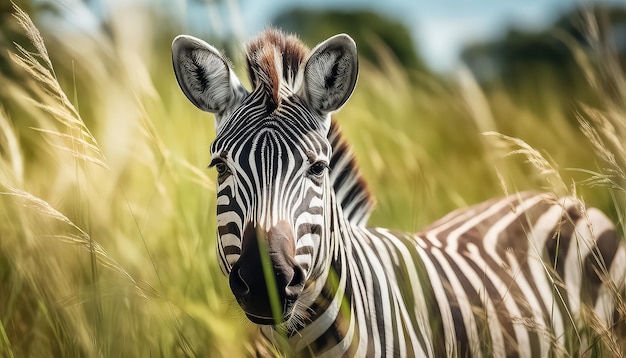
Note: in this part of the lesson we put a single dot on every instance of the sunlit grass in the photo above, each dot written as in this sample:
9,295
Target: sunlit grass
107,246
107,224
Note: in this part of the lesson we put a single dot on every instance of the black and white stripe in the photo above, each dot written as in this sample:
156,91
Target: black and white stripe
483,281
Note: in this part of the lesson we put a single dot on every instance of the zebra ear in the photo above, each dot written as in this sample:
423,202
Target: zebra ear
330,74
204,76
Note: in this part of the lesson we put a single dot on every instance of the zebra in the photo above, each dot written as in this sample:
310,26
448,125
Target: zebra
521,275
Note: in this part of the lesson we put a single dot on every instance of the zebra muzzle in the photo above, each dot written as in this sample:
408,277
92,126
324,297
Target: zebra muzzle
267,295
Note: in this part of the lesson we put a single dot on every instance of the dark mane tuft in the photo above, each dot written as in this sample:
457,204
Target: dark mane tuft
274,59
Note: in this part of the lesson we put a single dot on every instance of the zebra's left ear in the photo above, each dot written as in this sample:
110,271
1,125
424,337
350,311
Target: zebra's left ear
205,77
330,74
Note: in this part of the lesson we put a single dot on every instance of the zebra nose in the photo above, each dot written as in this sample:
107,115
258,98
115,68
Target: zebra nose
238,285
291,280
252,284
296,284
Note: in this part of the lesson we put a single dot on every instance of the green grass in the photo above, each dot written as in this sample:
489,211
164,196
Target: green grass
107,224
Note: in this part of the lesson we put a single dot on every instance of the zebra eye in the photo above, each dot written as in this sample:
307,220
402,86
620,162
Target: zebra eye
220,166
317,169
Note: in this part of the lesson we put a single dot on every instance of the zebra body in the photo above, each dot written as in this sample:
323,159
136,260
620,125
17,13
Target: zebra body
479,282
517,276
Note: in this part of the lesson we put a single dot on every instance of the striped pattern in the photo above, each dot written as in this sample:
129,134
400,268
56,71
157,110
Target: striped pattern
507,277
529,275
351,191
251,150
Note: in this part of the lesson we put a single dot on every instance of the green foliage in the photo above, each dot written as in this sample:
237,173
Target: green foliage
531,65
107,220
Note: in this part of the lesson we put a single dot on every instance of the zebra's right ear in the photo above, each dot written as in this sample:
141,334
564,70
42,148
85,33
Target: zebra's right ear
204,76
330,74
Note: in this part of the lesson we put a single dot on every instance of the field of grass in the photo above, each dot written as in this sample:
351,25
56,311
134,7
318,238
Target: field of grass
107,226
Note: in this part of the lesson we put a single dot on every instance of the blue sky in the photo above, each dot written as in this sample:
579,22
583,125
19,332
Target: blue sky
440,27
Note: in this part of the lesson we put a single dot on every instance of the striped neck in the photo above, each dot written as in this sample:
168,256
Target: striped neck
331,318
329,299
349,185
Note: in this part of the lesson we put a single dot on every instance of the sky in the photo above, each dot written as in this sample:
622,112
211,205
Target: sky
440,27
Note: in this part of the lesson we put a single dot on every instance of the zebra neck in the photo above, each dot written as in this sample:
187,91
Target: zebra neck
330,319
326,321
349,185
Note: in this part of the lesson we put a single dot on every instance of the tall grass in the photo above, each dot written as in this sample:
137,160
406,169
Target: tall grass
107,244
107,226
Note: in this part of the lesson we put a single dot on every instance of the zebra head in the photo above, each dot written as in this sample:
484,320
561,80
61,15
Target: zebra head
272,154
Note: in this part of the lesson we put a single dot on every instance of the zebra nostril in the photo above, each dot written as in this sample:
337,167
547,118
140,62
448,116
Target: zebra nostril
296,285
238,285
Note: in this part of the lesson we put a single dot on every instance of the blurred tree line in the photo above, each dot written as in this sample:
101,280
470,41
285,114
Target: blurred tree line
509,60
527,65
370,30
519,52
530,65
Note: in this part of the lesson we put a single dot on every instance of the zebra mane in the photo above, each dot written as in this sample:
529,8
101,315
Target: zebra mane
274,60
351,190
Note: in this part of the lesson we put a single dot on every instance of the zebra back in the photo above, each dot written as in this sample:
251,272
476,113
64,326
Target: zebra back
548,264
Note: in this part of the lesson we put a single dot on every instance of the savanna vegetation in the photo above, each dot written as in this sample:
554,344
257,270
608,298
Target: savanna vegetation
107,226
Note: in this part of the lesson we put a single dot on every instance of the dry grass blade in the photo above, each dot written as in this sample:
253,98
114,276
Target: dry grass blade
592,135
82,239
41,206
77,147
9,144
63,110
607,141
5,341
604,127
598,179
533,157
103,257
31,31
